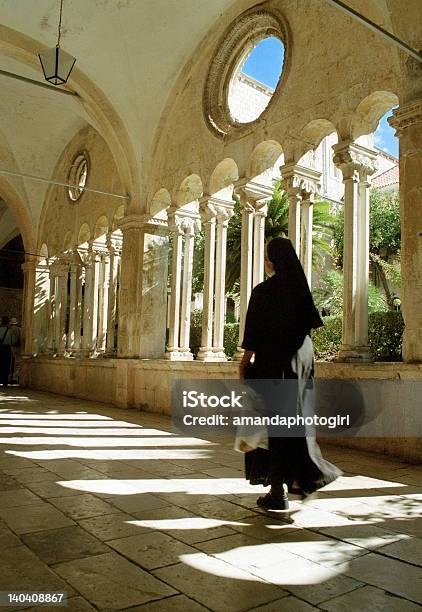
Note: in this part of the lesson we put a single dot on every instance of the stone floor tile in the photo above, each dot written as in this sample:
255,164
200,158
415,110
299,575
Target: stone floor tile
35,474
110,581
222,509
187,528
389,574
223,472
186,500
287,604
151,550
264,527
218,585
405,549
8,539
367,536
319,548
112,526
8,483
177,603
245,552
307,580
137,502
59,545
17,497
37,517
21,570
369,598
411,527
48,490
82,506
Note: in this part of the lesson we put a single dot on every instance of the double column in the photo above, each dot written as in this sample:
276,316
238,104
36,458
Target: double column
183,226
253,201
357,164
301,185
215,215
407,120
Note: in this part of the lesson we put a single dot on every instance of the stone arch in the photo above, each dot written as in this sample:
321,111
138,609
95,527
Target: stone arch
119,213
370,110
93,104
223,177
43,252
67,242
263,158
160,202
101,227
84,234
20,213
190,190
311,137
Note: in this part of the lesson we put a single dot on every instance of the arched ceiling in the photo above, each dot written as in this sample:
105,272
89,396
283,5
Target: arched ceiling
131,51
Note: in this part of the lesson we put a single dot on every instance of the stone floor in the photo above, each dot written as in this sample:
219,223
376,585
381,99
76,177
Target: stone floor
111,507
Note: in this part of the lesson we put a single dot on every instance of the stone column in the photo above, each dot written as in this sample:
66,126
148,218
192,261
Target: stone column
298,182
190,228
103,292
61,306
74,331
356,164
224,213
259,242
253,198
245,267
114,248
89,264
407,120
142,293
41,308
310,188
51,336
172,351
208,217
29,272
306,237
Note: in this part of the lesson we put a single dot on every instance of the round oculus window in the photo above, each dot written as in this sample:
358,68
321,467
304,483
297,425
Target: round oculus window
78,176
247,71
254,82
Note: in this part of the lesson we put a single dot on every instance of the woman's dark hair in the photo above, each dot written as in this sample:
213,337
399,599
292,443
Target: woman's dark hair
287,266
5,320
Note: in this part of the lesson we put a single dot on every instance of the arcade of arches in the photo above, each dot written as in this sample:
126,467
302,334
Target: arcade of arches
150,126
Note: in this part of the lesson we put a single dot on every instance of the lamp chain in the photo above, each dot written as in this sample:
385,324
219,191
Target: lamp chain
60,24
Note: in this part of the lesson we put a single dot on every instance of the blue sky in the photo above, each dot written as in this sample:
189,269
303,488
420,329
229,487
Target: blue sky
265,64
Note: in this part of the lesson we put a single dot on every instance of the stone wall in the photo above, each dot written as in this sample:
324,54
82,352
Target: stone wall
146,385
11,303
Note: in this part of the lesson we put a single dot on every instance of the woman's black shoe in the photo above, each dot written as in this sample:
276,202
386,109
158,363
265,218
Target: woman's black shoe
273,502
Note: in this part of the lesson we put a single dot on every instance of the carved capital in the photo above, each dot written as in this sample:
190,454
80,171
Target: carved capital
354,161
406,116
299,181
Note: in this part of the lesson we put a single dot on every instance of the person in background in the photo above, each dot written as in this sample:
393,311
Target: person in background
8,339
14,368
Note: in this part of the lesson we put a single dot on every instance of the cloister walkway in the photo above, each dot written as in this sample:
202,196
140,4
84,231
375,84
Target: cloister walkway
112,507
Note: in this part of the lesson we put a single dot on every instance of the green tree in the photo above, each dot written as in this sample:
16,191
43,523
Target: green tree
328,295
384,238
276,224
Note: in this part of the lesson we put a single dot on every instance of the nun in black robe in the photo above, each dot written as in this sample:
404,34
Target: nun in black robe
281,313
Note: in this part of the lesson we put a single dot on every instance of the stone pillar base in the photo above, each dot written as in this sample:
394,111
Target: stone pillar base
178,355
238,354
359,354
208,354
